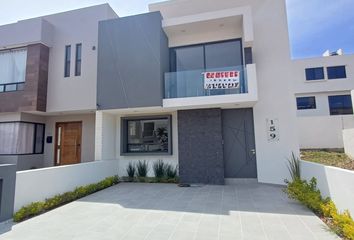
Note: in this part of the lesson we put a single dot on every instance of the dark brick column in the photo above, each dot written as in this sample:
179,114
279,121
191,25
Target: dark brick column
34,95
200,146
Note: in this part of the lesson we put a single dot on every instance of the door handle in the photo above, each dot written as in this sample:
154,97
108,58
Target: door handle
253,151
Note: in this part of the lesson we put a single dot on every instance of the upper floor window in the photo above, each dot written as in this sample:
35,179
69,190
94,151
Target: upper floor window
314,73
67,61
340,104
12,69
21,138
336,72
306,103
78,59
206,56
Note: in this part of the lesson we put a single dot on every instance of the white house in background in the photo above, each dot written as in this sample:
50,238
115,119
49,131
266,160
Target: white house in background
48,69
323,91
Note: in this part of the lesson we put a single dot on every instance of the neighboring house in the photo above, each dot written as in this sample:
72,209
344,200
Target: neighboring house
322,89
48,68
157,98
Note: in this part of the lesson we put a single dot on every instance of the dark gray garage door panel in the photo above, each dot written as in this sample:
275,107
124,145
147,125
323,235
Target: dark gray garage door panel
200,146
239,143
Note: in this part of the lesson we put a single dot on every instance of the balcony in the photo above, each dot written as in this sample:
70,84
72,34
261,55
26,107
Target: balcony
194,89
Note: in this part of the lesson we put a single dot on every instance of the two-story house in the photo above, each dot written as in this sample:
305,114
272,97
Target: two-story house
48,69
203,85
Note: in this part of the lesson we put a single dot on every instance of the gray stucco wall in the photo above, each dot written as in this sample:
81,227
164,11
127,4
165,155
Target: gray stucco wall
7,194
23,162
132,58
200,146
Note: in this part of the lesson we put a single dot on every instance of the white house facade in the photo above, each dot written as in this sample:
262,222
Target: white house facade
323,90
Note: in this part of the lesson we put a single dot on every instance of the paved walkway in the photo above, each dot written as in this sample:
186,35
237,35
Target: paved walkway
166,212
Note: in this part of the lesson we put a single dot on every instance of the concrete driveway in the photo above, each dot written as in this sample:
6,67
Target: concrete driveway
160,211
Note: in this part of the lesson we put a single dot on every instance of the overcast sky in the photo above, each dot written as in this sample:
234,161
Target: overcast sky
314,25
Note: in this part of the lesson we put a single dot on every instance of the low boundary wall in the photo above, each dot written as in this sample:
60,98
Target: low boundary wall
39,184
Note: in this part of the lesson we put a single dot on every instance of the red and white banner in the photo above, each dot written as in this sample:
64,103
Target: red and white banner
222,80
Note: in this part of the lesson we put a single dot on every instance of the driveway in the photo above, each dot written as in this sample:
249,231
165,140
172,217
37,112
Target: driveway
160,211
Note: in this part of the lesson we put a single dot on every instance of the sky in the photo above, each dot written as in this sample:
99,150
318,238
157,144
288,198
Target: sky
314,25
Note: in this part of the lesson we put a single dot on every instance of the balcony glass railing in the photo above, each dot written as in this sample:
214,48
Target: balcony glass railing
209,82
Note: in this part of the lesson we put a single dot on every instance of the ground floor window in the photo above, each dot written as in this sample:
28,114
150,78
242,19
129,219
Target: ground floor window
21,138
146,135
340,104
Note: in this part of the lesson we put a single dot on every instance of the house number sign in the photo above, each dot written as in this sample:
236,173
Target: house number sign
273,130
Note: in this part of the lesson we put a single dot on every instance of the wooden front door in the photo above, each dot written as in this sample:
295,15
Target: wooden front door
68,143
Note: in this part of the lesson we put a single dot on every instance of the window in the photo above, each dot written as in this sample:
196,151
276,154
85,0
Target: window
314,73
336,72
67,61
12,69
21,138
306,103
146,135
206,56
78,59
340,105
190,62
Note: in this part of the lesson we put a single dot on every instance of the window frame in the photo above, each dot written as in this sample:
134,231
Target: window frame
315,79
172,58
309,97
11,84
34,139
4,85
124,135
67,61
334,67
78,59
329,105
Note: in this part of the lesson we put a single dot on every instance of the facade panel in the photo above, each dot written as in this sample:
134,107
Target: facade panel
132,59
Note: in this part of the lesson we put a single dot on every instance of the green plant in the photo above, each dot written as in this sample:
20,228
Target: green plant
171,172
30,210
294,167
159,169
131,170
162,136
37,208
142,168
308,194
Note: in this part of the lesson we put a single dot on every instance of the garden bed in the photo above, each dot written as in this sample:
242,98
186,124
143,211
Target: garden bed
329,158
37,208
149,180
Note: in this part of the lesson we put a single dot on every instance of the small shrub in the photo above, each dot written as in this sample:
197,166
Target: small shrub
171,172
142,168
131,170
159,169
37,208
294,167
306,193
30,210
